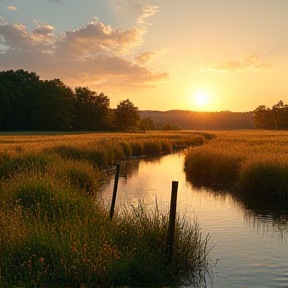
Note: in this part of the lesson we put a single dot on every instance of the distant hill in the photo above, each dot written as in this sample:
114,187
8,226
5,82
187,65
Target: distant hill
224,120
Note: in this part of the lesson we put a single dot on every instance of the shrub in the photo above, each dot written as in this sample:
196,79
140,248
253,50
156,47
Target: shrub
137,148
166,146
152,148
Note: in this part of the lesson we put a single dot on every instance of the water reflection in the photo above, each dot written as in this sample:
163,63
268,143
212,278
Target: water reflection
250,234
131,168
263,214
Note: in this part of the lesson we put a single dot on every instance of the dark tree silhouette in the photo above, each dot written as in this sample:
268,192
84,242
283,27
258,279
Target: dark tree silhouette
272,119
53,107
126,116
92,111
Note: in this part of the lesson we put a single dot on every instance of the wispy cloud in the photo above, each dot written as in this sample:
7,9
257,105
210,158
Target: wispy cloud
147,11
145,57
12,8
94,55
243,63
136,9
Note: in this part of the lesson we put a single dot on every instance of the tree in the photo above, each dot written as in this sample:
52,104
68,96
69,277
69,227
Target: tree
126,116
146,124
5,96
175,128
167,127
274,118
53,106
28,103
262,118
280,115
19,88
92,111
103,116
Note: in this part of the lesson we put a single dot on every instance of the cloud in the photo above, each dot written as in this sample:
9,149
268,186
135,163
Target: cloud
147,11
243,63
95,38
17,38
94,55
43,29
136,9
145,57
127,5
12,8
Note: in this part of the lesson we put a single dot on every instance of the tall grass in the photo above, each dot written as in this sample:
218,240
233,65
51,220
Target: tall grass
55,230
253,162
53,234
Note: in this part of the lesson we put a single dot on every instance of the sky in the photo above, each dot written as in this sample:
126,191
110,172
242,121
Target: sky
198,55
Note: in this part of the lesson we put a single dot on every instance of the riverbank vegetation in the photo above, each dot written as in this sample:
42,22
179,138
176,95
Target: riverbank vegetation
56,231
254,162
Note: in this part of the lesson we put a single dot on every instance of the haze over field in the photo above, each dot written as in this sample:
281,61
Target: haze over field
161,54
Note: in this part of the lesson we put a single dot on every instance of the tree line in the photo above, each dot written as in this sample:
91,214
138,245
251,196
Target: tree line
271,118
28,103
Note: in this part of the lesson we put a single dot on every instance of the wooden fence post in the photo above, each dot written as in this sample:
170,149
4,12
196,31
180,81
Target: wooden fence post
172,219
115,190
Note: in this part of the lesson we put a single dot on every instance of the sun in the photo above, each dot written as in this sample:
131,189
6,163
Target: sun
201,98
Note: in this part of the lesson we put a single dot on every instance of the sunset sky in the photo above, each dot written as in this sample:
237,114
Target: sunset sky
160,54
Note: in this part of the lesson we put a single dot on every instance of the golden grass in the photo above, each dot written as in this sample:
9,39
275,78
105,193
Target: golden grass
36,143
254,161
54,229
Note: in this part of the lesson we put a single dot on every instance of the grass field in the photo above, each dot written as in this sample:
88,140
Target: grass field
55,231
254,162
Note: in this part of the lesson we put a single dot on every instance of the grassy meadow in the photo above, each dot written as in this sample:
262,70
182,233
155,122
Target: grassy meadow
254,162
56,232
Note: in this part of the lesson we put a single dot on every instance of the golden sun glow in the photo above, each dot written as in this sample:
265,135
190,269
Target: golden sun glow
201,98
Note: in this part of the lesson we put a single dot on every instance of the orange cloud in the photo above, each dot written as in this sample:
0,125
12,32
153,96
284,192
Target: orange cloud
12,8
95,38
145,57
243,63
95,55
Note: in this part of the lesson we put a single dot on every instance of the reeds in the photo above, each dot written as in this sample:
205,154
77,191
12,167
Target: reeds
55,230
252,162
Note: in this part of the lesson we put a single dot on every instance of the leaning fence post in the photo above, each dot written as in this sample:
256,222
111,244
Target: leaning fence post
172,219
115,190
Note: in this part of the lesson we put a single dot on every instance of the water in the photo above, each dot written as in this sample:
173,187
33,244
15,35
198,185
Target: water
250,234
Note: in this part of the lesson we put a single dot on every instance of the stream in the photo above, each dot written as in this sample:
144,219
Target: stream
249,233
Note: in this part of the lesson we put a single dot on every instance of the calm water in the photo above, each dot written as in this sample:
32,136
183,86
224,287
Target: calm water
251,235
